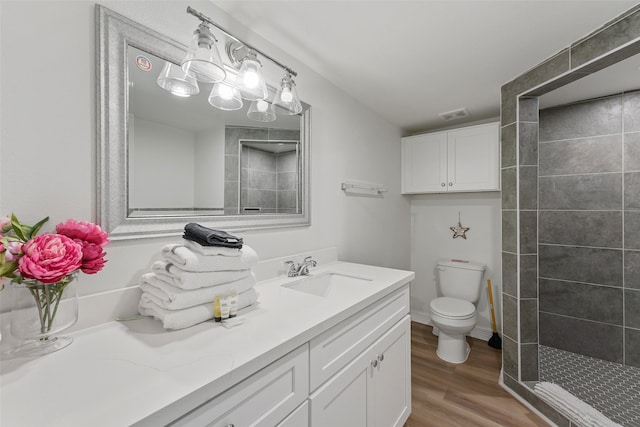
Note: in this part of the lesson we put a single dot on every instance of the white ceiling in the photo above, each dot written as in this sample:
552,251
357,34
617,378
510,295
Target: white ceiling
411,60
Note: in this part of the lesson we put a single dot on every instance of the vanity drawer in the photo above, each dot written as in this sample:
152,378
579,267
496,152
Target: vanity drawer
335,348
299,417
263,399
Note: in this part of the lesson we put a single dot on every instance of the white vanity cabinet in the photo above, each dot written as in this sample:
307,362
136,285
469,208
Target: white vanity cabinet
264,399
360,369
465,159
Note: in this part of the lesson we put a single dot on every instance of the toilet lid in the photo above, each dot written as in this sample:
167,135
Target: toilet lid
452,308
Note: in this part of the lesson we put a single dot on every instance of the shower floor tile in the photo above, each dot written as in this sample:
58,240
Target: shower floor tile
611,388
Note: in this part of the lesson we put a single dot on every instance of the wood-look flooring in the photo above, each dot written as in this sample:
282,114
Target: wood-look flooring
460,395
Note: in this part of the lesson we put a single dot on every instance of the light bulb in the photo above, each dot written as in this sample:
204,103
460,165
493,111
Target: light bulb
251,80
286,95
226,92
262,105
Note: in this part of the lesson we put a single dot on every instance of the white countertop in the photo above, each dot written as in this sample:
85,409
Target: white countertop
122,373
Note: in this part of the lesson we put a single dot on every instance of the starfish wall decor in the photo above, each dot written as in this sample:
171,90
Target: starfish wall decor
459,230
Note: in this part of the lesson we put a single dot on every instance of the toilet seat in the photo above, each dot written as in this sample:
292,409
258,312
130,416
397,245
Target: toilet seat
452,308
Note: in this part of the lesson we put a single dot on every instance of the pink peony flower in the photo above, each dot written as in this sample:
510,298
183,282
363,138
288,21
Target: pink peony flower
82,230
14,251
50,257
5,223
92,257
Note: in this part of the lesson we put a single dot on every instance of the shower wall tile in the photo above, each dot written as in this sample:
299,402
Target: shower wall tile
632,190
632,269
510,357
588,265
231,195
632,308
578,156
509,188
589,302
632,151
581,120
631,108
283,134
265,199
528,187
262,180
581,192
528,144
287,180
581,228
612,35
286,199
262,160
508,101
528,232
230,167
510,316
509,231
508,145
510,274
287,162
529,362
528,276
528,320
632,347
593,339
528,108
632,229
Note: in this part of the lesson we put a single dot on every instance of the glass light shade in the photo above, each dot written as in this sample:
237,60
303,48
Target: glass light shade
261,111
225,97
286,100
175,80
250,81
203,58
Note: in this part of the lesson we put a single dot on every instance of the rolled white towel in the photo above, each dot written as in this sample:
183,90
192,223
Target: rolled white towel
172,298
211,250
188,260
180,319
173,275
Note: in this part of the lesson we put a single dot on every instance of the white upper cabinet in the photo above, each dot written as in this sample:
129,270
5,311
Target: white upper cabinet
465,159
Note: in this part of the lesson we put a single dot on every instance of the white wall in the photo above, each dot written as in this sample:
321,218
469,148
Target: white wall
48,142
431,238
209,168
161,166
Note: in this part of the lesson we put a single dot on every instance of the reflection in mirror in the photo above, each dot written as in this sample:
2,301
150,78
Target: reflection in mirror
167,160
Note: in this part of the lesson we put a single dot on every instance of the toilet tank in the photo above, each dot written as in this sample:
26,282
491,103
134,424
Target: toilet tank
460,279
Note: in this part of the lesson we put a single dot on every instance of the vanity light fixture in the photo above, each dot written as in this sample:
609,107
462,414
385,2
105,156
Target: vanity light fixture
225,97
261,111
250,81
175,80
203,58
286,100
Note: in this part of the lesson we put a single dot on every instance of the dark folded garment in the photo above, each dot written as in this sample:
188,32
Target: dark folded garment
209,237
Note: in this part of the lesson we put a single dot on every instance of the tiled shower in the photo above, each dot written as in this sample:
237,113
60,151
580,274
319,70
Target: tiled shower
589,251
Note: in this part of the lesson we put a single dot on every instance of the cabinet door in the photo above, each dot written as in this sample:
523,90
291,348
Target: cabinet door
390,391
424,163
473,158
342,401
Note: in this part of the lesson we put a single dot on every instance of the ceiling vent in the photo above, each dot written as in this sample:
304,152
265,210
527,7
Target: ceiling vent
455,114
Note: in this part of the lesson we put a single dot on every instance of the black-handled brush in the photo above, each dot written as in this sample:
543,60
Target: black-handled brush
495,340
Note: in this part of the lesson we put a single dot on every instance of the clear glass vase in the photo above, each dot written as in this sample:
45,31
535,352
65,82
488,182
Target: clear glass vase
39,312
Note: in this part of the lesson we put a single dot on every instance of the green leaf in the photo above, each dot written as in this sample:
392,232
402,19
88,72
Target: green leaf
17,228
37,227
8,268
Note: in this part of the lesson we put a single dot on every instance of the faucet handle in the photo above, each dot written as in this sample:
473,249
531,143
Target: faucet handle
292,269
310,260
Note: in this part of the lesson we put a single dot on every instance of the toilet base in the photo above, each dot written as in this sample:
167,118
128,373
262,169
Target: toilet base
452,348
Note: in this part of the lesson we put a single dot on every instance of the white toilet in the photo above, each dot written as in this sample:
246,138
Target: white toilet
454,313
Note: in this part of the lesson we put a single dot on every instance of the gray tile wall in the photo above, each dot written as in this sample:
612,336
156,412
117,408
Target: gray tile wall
588,227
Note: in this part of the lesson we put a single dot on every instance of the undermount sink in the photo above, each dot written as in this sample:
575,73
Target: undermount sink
328,284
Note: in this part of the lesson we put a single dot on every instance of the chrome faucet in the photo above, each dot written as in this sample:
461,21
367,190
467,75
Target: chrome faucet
302,269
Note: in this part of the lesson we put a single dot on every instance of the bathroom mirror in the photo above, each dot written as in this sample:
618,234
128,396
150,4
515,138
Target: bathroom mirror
165,160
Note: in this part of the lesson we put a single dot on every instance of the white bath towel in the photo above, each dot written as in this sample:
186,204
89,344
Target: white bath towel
172,298
188,260
173,275
211,250
578,412
180,319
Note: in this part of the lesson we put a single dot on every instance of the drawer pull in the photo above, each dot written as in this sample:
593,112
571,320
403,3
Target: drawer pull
442,184
374,363
381,357
451,184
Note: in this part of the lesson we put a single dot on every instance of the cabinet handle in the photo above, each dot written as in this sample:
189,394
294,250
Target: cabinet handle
451,184
230,425
442,184
381,357
374,363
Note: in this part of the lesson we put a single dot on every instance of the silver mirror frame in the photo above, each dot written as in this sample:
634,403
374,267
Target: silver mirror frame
114,33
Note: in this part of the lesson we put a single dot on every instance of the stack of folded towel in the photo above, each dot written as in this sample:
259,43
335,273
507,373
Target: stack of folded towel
181,288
